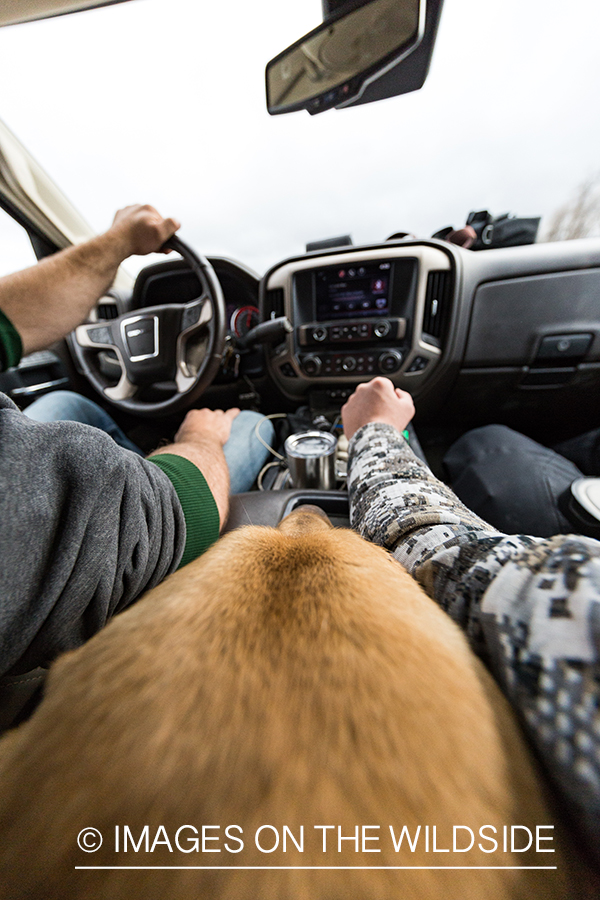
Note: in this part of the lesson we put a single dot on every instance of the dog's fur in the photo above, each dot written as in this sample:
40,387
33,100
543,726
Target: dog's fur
291,676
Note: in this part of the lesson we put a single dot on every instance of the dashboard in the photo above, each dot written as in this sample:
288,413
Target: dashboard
509,335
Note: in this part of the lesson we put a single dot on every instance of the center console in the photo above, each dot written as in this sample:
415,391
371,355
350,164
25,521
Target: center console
358,314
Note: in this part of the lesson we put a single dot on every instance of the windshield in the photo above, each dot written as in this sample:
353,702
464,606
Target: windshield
165,103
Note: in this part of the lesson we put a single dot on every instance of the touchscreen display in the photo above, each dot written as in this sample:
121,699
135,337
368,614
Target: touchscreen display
349,292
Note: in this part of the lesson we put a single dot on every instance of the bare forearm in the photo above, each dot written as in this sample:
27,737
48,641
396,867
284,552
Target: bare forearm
207,454
200,439
48,300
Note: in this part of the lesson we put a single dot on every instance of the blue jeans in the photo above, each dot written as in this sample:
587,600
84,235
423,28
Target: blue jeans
244,453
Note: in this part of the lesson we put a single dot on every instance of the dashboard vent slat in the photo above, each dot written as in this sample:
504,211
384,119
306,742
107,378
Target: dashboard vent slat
274,303
438,297
107,311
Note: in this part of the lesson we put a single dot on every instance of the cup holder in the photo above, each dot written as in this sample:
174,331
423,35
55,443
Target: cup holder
333,503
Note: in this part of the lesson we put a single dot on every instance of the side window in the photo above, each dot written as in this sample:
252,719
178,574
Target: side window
16,251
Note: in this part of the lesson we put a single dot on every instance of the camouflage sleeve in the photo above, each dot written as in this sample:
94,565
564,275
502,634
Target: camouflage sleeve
530,606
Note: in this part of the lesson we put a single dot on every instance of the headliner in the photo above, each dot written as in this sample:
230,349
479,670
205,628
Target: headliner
16,11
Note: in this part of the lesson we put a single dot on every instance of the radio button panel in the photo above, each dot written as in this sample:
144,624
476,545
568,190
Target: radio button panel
328,365
351,332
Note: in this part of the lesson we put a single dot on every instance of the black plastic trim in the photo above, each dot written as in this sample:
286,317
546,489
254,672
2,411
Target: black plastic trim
42,246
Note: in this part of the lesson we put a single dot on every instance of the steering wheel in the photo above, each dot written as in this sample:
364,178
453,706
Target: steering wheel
151,345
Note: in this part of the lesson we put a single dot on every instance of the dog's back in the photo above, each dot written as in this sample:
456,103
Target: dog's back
292,678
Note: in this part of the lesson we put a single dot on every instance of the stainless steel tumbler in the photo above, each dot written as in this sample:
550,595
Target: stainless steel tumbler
311,459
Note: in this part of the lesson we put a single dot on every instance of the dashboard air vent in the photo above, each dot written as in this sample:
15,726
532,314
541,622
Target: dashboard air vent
438,297
107,311
274,303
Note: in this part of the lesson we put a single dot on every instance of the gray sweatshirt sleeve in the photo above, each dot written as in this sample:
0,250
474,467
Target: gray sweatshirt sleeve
530,606
85,528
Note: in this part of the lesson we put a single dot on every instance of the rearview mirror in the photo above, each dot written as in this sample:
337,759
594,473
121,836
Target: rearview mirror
334,64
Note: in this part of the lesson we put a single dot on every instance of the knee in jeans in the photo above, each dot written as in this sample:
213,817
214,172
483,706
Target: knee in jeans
55,406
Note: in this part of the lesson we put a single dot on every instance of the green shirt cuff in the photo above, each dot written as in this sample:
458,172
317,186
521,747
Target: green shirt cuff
11,348
198,504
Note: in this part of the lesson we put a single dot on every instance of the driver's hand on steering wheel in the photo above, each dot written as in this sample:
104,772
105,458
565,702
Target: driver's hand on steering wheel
141,229
206,424
377,401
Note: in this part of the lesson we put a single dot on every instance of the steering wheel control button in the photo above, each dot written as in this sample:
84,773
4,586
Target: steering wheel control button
190,316
100,335
418,364
382,329
141,337
311,365
389,361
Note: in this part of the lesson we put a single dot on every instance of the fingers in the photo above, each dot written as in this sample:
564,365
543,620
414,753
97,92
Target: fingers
404,397
377,401
142,229
168,227
207,424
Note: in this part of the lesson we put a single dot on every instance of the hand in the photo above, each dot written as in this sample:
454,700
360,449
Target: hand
377,401
142,229
464,237
206,424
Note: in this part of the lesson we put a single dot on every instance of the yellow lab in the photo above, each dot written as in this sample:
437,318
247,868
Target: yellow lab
287,718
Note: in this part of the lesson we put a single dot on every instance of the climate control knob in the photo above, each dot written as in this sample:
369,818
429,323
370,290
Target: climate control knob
382,328
348,364
389,361
311,365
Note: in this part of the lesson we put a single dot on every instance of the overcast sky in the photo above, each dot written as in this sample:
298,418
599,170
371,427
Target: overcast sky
163,102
